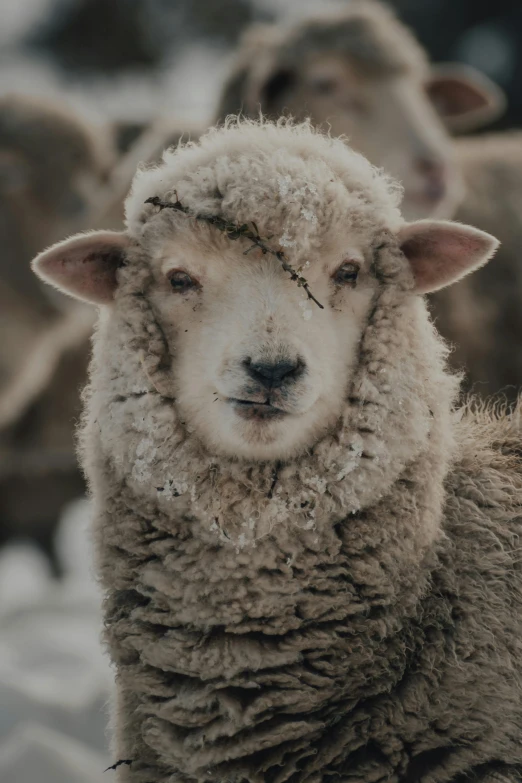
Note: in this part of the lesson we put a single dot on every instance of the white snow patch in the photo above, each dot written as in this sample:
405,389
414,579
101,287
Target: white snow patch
145,456
284,183
286,241
309,215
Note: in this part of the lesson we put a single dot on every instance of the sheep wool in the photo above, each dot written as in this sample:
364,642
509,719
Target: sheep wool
353,613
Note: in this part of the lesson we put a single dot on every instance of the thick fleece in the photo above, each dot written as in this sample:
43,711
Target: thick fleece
360,618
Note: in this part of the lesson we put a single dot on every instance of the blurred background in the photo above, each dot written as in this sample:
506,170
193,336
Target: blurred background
122,57
117,64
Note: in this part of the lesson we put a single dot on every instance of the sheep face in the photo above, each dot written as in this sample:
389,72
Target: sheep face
249,363
387,117
260,369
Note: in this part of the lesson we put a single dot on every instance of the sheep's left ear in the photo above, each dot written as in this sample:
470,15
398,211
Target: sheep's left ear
441,252
85,265
465,98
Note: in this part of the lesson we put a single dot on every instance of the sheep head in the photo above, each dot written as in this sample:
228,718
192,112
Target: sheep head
250,363
358,72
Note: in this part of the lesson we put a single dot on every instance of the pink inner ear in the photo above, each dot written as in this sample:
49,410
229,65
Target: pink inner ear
453,97
95,274
441,253
85,266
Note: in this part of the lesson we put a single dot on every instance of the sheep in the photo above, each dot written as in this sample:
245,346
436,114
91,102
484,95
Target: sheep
53,166
362,73
310,560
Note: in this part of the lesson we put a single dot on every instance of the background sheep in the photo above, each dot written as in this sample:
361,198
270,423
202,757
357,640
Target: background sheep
361,73
53,166
385,82
146,148
274,479
482,316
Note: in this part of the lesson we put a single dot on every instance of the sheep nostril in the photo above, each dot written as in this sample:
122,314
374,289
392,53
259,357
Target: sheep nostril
273,375
430,167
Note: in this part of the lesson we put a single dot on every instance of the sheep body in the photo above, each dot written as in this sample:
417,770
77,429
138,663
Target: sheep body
354,615
256,669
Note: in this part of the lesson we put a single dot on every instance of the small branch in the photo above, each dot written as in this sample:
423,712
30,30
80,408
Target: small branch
120,763
234,231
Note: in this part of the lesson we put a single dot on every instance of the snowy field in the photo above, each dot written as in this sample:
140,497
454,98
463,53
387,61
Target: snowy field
54,679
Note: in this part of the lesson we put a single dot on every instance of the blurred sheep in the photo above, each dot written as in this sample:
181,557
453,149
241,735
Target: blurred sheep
482,315
53,166
140,143
359,72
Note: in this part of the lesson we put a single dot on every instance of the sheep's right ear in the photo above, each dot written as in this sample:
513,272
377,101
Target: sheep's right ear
465,98
85,265
441,252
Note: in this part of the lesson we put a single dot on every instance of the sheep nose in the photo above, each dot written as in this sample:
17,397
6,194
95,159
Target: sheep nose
434,172
433,168
274,375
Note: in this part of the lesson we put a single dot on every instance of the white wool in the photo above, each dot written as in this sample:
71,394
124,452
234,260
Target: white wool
305,147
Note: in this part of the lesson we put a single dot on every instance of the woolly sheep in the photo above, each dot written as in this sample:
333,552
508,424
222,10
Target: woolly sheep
311,564
361,73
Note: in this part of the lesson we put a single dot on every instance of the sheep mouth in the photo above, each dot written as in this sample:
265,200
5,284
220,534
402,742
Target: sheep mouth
257,411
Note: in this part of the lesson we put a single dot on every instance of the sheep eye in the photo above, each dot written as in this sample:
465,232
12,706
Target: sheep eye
347,273
324,85
181,281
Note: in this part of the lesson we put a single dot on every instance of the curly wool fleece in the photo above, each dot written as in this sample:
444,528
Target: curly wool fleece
362,620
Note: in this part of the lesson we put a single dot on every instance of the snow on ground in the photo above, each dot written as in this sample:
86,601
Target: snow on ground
55,681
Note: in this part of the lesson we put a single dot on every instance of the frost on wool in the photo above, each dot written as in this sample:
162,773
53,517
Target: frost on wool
359,617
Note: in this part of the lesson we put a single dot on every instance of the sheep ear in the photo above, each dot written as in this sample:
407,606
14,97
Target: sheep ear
465,98
85,265
441,252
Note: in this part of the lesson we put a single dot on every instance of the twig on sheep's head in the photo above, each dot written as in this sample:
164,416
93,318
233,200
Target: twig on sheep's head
119,763
234,231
